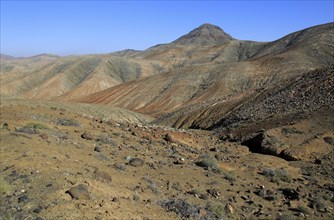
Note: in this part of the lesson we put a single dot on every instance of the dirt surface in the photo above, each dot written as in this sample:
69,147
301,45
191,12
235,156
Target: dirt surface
57,164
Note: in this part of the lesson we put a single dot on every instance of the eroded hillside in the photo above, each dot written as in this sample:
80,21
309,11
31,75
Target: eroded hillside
57,163
196,82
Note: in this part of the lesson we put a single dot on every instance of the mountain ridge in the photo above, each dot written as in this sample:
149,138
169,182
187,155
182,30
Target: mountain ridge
206,34
194,82
245,57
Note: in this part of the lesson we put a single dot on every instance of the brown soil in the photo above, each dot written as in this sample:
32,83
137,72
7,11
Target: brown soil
43,155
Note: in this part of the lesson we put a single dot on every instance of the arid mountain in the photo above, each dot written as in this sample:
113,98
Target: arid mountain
6,57
208,58
13,66
72,77
243,66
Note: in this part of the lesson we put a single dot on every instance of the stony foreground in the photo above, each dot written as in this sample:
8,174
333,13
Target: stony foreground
60,164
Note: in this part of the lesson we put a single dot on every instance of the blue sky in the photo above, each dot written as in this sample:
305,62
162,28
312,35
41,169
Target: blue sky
89,27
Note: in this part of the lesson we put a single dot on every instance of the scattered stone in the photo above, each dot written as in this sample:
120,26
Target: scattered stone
329,140
193,192
203,196
244,197
135,198
79,192
170,138
87,136
290,194
26,130
98,149
179,161
115,199
265,143
136,162
37,210
120,166
5,126
23,199
213,192
102,175
329,186
229,209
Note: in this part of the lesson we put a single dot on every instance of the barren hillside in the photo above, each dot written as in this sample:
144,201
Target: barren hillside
253,67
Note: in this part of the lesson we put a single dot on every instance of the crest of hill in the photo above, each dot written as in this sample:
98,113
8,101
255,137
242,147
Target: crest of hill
206,34
6,57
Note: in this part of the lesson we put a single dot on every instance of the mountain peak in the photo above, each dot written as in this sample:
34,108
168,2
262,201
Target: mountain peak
206,34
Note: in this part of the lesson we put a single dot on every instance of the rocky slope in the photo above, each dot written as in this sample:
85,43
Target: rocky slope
59,164
296,96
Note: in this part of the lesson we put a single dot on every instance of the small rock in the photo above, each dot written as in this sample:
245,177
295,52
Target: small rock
290,194
26,130
115,199
193,192
98,149
79,192
136,162
135,198
120,166
214,149
23,199
203,196
87,136
43,136
229,209
5,126
179,161
37,210
260,192
244,197
104,176
170,138
213,193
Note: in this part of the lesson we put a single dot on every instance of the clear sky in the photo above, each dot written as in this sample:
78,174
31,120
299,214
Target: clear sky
86,27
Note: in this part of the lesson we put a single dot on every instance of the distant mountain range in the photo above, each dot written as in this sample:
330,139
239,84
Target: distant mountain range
194,81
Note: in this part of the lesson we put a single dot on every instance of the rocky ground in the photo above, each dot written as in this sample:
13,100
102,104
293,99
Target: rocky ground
57,163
